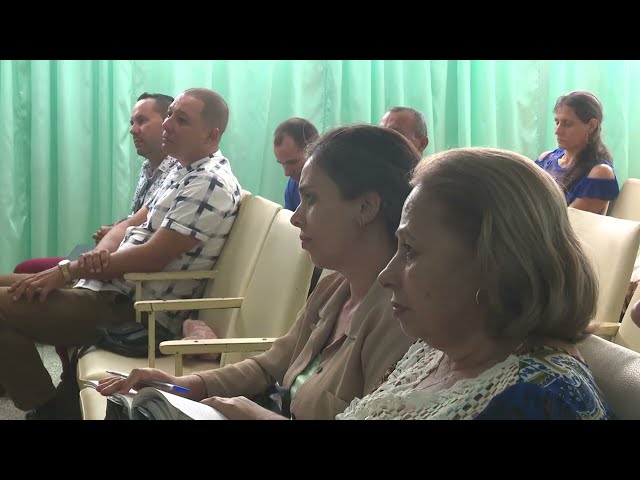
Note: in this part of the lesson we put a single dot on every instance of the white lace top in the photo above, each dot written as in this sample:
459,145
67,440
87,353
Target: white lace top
544,383
398,399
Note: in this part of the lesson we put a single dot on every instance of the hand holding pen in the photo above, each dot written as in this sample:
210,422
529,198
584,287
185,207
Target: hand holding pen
153,383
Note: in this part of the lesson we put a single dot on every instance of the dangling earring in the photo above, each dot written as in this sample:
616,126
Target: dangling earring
478,296
361,224
588,139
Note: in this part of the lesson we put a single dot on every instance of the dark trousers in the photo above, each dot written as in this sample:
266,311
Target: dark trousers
67,318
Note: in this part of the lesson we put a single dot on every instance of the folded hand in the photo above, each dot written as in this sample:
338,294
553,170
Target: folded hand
94,261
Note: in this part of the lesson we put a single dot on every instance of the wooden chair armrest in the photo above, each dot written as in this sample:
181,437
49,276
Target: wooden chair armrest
178,275
190,304
179,348
153,306
140,277
216,345
607,329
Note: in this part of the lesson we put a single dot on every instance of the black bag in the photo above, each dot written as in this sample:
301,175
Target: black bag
131,339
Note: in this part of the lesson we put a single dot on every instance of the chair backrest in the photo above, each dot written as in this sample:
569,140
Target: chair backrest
629,333
278,287
627,205
238,259
612,245
616,370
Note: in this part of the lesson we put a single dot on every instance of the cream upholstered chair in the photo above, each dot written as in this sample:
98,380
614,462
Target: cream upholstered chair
627,205
611,244
276,292
231,276
93,406
616,370
625,333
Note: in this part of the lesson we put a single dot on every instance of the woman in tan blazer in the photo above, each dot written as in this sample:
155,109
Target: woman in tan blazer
352,189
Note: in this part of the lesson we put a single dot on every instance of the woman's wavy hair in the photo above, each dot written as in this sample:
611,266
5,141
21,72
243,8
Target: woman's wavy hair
514,217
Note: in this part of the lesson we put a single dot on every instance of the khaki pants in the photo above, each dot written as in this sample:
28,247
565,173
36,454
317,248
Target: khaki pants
68,317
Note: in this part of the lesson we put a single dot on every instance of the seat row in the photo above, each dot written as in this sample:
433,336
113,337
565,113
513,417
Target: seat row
259,284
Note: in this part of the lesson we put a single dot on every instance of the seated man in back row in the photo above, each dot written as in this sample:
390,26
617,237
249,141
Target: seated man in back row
290,140
146,130
409,123
184,227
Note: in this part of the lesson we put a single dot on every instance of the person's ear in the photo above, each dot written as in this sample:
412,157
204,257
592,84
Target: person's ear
593,124
370,206
424,141
214,135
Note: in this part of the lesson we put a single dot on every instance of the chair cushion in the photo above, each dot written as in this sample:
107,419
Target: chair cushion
93,404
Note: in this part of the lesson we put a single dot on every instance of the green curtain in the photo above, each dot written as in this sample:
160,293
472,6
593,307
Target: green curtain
69,164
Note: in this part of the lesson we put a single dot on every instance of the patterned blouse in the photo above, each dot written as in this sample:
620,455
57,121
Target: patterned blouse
546,383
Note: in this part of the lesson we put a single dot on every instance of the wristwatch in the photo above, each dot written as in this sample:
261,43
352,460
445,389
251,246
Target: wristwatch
63,265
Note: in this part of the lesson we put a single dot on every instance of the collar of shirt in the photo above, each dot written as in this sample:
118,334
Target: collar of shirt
165,165
146,168
217,156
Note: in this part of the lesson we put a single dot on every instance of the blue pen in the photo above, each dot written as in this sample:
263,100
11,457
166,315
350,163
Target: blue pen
170,386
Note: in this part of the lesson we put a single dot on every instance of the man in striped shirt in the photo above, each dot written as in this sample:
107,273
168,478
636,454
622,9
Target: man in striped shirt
183,227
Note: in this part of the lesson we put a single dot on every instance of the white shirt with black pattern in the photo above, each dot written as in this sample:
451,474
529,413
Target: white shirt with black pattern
200,201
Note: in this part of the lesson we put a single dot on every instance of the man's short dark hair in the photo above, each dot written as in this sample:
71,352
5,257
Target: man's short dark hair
215,110
421,124
301,130
162,102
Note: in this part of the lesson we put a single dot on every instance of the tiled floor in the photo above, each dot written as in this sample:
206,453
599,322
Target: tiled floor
52,362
